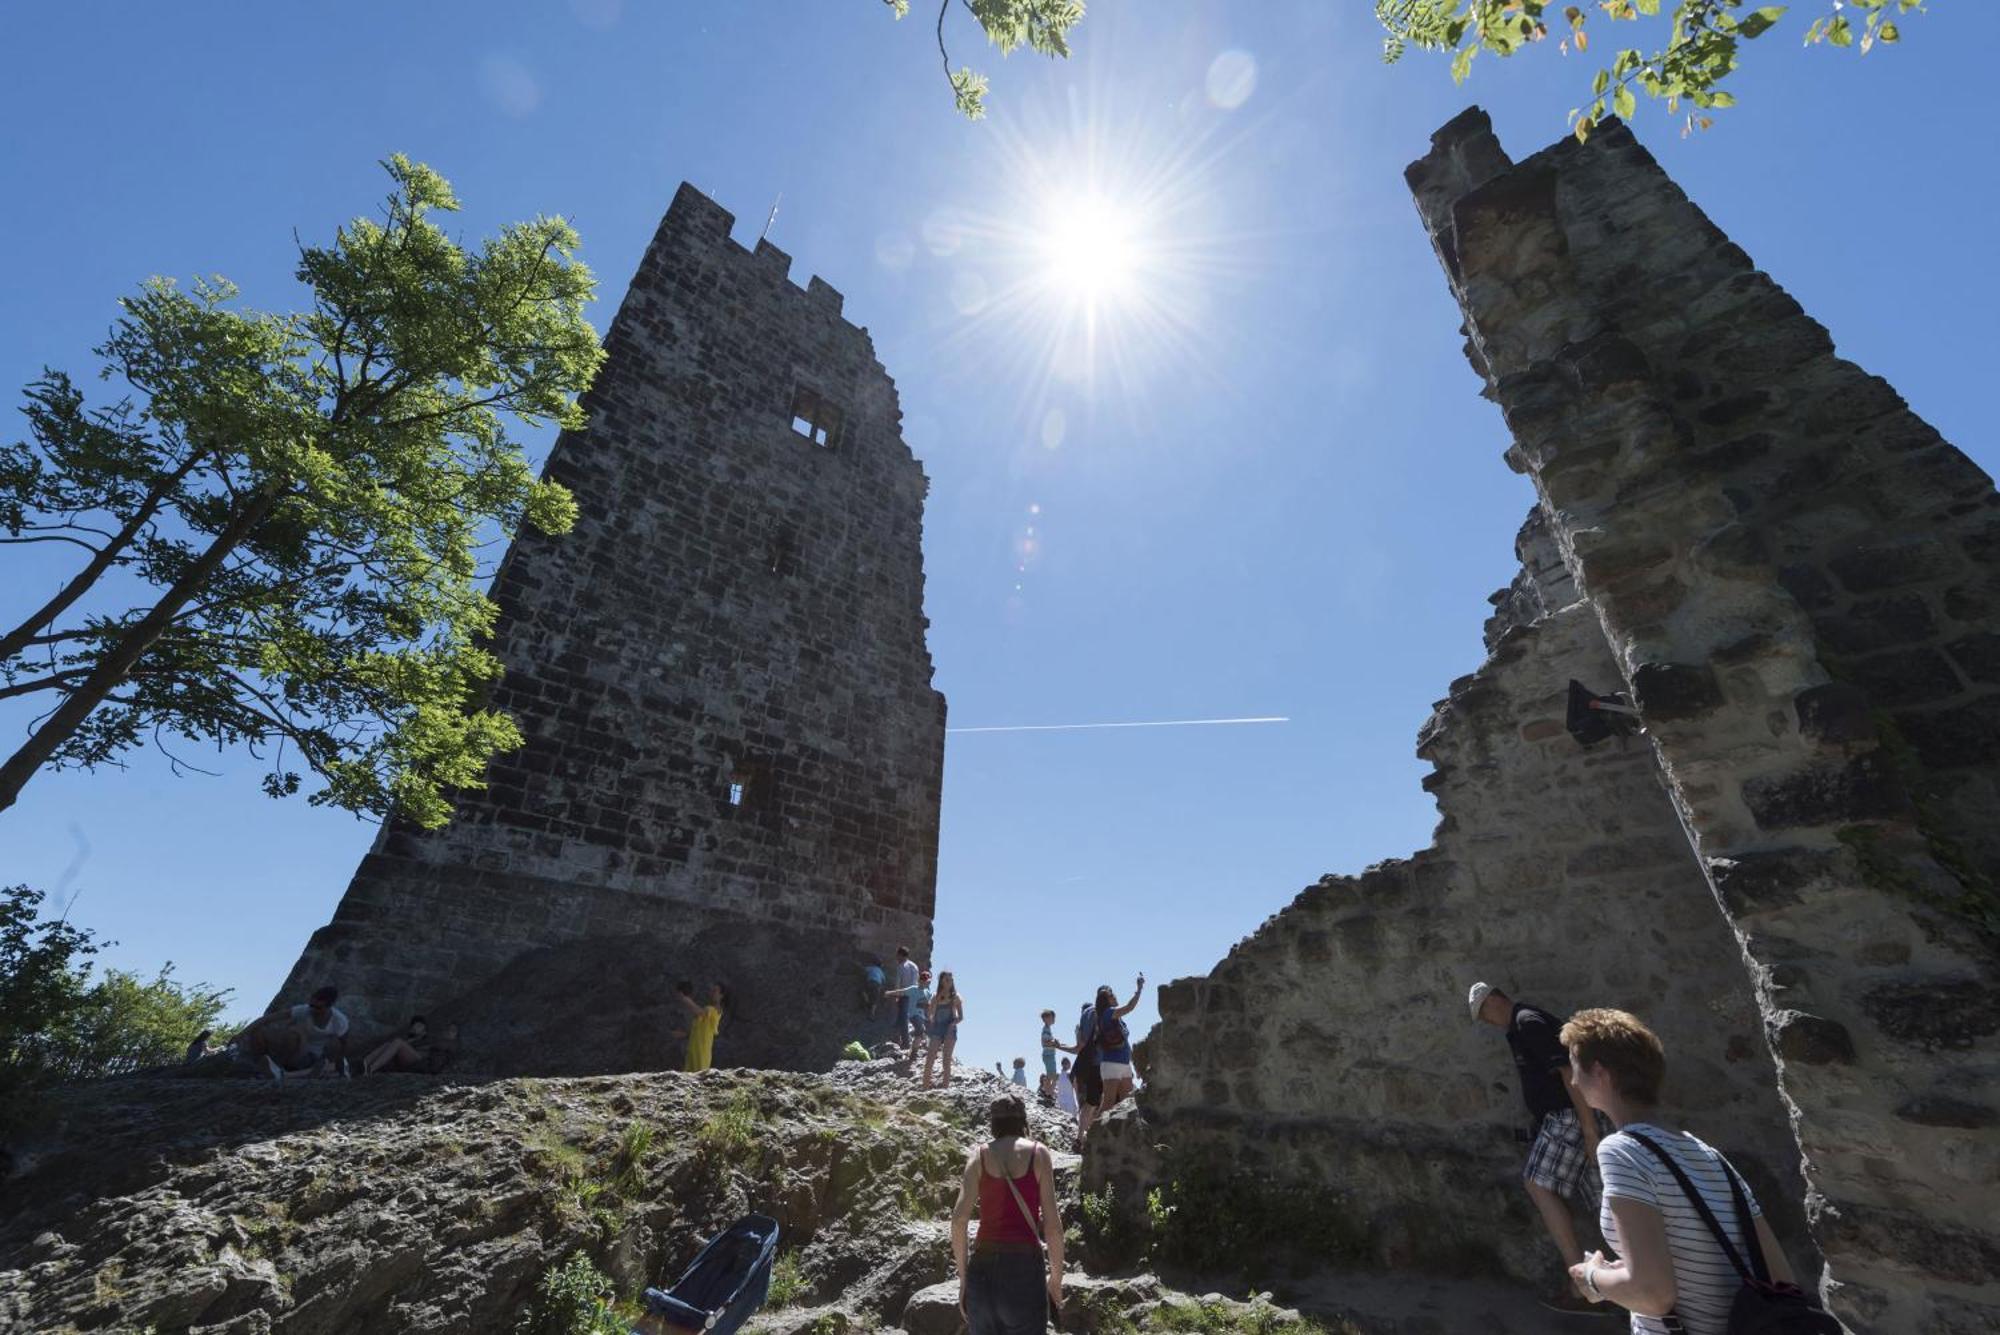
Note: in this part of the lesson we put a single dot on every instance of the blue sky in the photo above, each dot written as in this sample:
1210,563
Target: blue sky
1277,493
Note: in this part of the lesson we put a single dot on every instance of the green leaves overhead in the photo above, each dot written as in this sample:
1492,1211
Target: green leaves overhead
1701,45
300,501
1042,26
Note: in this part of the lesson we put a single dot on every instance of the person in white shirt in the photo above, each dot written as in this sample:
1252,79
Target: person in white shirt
1066,1090
1673,1272
310,1037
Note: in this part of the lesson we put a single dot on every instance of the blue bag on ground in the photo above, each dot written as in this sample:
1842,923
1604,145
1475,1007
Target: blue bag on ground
727,1283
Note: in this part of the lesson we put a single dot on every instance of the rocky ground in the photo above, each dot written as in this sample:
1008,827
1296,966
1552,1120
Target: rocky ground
400,1203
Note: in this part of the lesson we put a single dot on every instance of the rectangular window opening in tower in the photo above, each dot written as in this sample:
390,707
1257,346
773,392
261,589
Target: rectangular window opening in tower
814,418
748,790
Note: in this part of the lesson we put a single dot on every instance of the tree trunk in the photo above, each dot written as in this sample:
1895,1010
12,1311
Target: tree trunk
18,639
78,705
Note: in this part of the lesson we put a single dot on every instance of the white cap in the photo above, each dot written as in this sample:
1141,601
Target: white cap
1477,997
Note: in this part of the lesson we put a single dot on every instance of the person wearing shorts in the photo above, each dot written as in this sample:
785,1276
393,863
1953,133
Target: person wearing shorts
1112,1039
1562,1159
1049,1045
941,1020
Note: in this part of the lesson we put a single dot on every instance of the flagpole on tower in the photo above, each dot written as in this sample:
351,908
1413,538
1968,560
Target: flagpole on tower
772,217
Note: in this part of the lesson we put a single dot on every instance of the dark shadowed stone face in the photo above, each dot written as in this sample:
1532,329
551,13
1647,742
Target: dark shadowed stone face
1946,1111
1811,1039
1936,1015
1668,691
1835,712
1864,788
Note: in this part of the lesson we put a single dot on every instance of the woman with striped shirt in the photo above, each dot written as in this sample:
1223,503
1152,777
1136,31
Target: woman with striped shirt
1673,1275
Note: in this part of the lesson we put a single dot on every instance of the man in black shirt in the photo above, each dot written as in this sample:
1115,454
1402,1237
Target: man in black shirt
1563,1159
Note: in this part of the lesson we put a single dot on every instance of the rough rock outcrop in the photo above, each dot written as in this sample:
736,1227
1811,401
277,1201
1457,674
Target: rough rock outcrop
394,1203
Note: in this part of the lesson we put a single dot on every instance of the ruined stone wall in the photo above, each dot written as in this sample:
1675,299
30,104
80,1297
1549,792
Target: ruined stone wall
1799,583
1333,1048
1798,580
734,752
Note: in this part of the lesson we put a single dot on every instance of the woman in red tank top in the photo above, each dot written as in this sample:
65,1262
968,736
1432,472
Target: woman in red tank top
1003,1287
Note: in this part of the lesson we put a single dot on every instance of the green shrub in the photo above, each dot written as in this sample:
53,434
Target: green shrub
731,1131
855,1052
788,1280
633,1144
574,1298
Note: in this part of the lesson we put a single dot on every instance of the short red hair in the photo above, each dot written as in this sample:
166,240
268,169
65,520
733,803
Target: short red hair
1620,1043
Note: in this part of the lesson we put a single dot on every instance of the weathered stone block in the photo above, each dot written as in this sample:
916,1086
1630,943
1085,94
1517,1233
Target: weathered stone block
1888,565
1978,656
1911,677
1835,713
1946,1110
1948,738
1827,793
1671,691
1877,623
1809,585
1812,1040
1936,1013
1761,882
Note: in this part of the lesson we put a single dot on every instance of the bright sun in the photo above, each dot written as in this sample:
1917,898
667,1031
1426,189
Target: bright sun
1091,249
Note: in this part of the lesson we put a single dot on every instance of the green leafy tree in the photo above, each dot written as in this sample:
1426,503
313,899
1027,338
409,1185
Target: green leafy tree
1698,46
279,525
126,1023
42,985
1039,25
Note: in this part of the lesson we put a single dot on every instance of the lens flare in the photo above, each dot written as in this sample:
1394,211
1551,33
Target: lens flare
1091,248
1098,230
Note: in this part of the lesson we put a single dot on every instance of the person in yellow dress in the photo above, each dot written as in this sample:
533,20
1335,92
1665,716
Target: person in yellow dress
703,1022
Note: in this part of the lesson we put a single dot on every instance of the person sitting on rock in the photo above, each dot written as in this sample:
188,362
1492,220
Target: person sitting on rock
312,1036
704,1022
1562,1160
410,1052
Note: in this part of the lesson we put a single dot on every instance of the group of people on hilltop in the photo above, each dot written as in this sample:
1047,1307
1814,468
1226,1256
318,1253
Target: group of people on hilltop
1685,1226
311,1039
927,1017
1010,1274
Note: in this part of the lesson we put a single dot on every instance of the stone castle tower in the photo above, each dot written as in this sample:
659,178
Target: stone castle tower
1794,874
734,753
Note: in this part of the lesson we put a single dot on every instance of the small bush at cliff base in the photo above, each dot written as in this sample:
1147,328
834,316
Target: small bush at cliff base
854,1052
572,1299
1214,1220
788,1280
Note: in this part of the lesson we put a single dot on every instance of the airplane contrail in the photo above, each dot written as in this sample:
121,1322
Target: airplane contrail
1158,723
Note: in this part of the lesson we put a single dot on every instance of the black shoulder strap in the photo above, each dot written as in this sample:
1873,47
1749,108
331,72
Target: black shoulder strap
1748,1224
